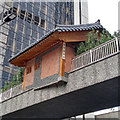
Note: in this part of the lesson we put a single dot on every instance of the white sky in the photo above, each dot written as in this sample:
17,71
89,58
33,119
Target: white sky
106,11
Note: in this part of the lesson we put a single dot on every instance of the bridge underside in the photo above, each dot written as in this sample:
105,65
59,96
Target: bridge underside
93,98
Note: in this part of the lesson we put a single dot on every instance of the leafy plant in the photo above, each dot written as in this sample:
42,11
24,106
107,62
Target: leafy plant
6,86
93,39
81,48
116,33
17,79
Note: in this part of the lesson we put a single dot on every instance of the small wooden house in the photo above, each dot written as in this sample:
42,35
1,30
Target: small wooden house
48,60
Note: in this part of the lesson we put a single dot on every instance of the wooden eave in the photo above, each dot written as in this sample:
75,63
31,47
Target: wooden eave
39,48
73,36
48,43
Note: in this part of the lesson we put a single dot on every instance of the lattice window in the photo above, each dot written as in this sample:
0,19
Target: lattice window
37,66
28,70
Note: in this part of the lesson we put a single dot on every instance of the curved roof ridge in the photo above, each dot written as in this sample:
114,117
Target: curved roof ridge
80,25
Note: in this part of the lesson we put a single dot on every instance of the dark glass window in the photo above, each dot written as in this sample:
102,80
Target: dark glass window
35,11
10,41
36,20
11,77
41,31
28,31
20,27
18,36
34,27
34,34
25,39
22,5
20,20
15,4
5,14
11,34
29,17
1,15
43,6
7,57
42,23
4,77
36,4
24,45
22,14
14,10
13,22
42,15
29,7
16,51
18,45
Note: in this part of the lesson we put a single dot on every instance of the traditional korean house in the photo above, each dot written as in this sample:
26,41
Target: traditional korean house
48,60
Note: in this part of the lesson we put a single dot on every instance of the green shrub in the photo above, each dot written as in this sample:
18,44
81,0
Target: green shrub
17,79
116,33
93,39
81,48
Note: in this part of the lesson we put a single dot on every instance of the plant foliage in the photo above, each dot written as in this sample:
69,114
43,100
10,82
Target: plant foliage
93,39
17,79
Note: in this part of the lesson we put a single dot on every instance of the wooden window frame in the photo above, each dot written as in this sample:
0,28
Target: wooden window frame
37,66
29,70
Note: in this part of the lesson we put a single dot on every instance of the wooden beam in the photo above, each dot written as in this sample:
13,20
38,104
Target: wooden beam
24,77
62,60
35,50
73,36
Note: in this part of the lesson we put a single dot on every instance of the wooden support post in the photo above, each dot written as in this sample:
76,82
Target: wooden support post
24,78
62,59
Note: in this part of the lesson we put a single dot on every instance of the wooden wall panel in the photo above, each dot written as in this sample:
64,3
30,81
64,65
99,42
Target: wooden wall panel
50,63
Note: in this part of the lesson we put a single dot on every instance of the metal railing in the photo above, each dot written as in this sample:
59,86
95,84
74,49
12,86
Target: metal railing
100,52
12,92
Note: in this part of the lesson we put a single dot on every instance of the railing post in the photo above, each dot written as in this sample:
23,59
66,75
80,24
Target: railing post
91,56
10,92
117,45
72,64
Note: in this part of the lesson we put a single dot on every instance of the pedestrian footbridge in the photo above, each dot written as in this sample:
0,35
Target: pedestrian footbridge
92,84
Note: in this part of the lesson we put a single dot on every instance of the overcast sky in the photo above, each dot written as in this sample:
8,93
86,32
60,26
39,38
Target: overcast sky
106,11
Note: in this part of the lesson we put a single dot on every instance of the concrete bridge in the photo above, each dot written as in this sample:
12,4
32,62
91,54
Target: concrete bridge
93,84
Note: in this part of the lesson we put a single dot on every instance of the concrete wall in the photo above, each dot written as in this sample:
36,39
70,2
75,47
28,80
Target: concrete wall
84,12
109,115
80,12
79,80
119,15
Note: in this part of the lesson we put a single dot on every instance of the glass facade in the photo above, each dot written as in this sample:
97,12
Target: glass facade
31,21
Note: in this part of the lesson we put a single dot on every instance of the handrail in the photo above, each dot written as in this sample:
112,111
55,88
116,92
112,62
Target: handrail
102,51
95,54
12,92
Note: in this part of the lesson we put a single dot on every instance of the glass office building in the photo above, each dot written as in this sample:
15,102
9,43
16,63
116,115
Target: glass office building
22,23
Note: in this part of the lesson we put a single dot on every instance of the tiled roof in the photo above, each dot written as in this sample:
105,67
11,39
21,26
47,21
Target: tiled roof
82,27
62,28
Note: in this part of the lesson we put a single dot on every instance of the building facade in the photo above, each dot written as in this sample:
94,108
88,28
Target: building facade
31,21
119,16
49,60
